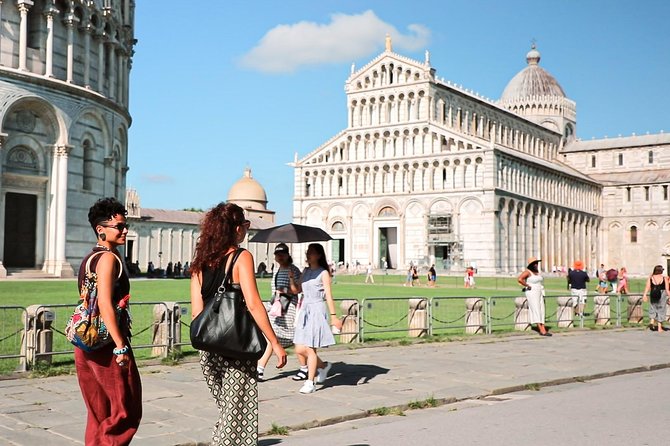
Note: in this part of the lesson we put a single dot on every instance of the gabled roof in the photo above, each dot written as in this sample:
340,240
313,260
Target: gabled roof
170,216
388,57
621,142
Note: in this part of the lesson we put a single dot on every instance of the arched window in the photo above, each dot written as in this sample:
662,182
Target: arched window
651,157
387,212
89,165
633,234
338,226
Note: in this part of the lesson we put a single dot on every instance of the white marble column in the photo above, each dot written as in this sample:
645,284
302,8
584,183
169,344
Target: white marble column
111,76
55,262
70,21
49,14
88,29
24,7
101,64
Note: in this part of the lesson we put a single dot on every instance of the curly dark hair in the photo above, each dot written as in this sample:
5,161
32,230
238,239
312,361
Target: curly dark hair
105,209
217,235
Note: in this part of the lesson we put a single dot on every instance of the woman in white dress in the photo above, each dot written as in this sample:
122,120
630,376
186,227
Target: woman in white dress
314,320
532,282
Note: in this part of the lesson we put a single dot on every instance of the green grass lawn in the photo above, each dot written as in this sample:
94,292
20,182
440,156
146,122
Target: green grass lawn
385,313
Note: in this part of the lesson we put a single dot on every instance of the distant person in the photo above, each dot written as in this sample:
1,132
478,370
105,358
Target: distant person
469,277
612,276
532,282
316,316
601,275
385,266
432,276
623,281
408,277
369,278
577,280
187,270
169,271
150,269
177,269
415,277
658,290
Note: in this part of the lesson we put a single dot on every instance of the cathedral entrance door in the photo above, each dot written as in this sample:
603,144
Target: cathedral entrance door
20,228
388,244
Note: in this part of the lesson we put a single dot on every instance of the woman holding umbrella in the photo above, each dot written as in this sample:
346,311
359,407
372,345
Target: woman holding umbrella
312,330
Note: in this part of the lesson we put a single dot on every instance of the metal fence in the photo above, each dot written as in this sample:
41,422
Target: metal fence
37,333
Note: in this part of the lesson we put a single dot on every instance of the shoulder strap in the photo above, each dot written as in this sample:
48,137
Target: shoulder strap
228,277
90,258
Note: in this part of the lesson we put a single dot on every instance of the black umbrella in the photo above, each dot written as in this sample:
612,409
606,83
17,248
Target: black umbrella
291,233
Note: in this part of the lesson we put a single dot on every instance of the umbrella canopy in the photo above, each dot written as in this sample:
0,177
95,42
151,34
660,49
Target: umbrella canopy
291,233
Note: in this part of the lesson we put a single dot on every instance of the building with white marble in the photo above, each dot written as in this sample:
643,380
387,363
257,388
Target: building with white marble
64,73
162,236
431,172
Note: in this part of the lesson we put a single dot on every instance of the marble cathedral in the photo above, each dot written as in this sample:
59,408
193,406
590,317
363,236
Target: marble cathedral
430,172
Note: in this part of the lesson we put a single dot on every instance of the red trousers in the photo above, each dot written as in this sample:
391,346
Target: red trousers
113,397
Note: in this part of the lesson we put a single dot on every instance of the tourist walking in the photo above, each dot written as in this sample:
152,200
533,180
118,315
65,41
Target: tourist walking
416,281
285,288
623,281
577,280
532,282
432,276
369,277
312,329
108,377
232,382
657,288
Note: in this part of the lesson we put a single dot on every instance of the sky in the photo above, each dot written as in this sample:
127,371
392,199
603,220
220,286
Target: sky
223,85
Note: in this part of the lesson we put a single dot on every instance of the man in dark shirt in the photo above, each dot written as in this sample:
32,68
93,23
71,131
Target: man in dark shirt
577,279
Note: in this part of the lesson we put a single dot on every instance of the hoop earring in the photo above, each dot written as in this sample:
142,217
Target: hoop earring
102,236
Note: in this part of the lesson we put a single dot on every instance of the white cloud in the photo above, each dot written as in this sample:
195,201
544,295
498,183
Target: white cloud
158,178
346,38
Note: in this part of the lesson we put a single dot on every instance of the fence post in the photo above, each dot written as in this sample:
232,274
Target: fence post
635,315
161,329
521,315
175,327
37,337
565,312
474,320
601,311
417,318
350,325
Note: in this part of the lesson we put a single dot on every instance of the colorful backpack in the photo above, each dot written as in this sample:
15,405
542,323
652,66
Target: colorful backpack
85,328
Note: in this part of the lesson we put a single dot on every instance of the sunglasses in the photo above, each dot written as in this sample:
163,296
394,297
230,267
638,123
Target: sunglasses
119,227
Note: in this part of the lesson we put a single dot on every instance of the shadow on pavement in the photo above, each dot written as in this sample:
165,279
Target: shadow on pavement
343,374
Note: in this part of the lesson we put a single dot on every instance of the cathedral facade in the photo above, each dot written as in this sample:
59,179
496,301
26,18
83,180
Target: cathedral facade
64,75
427,172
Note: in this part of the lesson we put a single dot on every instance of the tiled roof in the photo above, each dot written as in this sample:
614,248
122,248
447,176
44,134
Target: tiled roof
619,142
170,216
633,178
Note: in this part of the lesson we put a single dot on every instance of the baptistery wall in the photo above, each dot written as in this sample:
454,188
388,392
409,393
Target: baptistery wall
64,74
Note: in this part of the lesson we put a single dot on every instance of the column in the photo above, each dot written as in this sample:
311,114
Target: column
49,14
101,64
119,77
111,76
24,7
88,29
70,22
55,262
0,64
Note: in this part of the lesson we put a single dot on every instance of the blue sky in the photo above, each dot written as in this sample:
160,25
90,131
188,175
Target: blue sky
221,85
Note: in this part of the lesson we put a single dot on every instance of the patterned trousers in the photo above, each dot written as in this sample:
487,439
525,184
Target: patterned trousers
232,383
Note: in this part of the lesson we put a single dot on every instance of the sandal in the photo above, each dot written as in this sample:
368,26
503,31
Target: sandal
300,376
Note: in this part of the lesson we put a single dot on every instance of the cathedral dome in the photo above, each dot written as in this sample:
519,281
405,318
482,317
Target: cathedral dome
532,81
248,193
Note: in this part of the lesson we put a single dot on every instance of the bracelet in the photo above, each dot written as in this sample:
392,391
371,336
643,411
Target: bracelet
120,351
333,314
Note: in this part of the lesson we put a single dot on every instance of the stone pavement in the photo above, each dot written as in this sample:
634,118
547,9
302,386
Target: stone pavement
178,408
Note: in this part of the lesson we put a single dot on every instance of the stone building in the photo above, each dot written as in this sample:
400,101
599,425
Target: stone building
64,74
430,172
163,236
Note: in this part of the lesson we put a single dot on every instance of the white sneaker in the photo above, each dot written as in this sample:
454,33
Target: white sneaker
322,374
308,387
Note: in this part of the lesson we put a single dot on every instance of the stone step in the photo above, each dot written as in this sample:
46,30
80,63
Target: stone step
27,273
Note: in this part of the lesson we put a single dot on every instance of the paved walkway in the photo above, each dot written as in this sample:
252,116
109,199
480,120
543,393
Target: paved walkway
178,408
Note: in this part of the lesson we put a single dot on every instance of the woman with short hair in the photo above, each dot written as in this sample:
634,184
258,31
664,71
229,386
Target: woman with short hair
108,377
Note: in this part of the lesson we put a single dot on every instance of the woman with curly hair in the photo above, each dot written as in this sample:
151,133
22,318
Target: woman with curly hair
108,377
232,382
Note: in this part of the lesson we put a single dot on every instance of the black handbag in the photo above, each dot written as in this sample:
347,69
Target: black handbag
225,325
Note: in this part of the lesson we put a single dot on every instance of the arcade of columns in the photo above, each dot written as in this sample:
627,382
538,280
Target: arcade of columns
113,62
557,235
